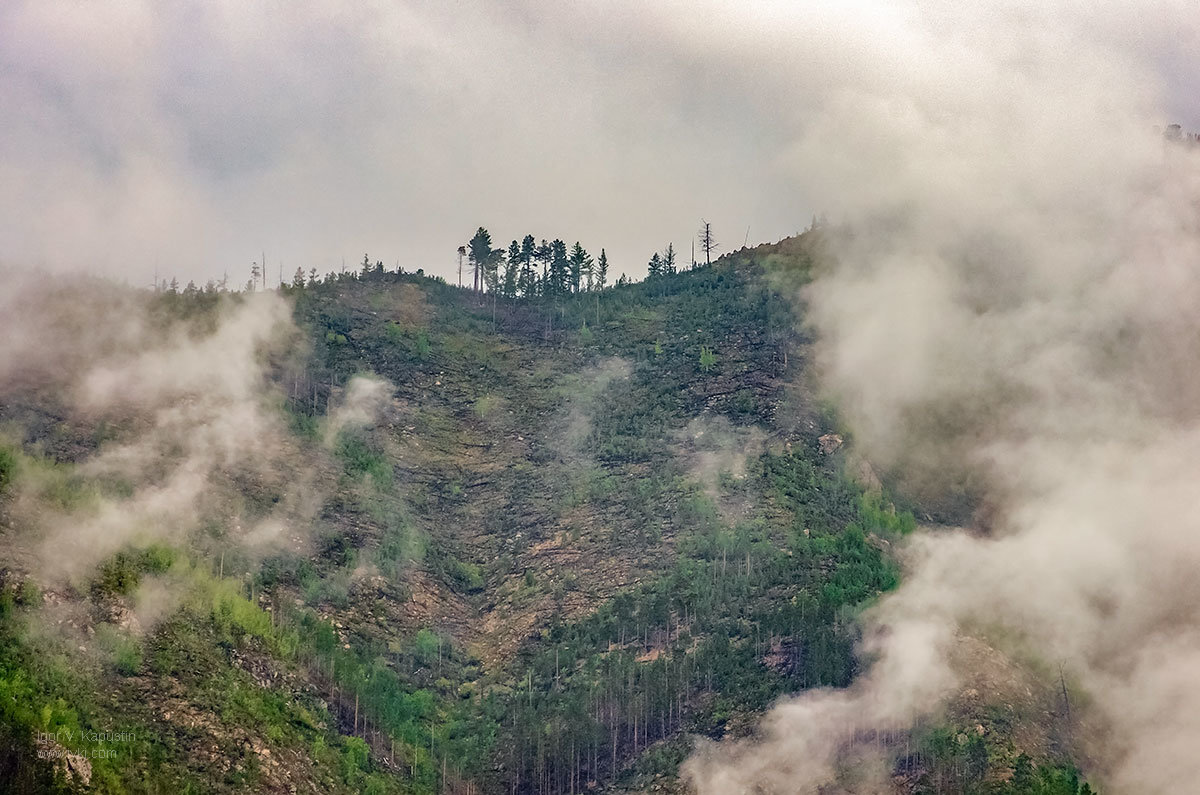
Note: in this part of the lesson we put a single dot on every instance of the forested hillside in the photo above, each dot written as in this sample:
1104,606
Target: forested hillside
516,539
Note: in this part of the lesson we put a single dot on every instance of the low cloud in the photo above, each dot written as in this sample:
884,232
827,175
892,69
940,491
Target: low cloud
1008,302
362,402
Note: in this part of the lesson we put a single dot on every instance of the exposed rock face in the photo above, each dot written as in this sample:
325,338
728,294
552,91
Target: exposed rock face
830,443
75,767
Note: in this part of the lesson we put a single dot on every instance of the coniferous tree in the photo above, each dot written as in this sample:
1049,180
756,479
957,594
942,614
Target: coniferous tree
480,247
1022,779
559,268
528,279
581,264
510,271
491,277
544,255
601,270
298,279
573,272
589,272
668,260
491,270
655,267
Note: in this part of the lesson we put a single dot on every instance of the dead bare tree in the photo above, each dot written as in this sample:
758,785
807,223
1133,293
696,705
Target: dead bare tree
707,244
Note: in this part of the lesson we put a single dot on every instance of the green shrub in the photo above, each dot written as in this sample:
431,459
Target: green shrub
333,590
467,576
303,425
426,646
121,573
8,467
117,575
485,406
29,594
361,460
878,518
156,559
421,346
286,569
125,651
745,402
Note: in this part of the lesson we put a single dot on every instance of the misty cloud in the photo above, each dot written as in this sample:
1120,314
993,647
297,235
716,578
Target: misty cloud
173,424
361,403
201,409
1010,290
583,395
712,448
1014,289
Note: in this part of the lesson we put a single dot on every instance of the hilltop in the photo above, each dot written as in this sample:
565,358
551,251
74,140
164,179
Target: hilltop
445,542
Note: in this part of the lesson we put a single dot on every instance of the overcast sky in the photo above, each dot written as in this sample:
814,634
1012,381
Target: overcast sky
189,137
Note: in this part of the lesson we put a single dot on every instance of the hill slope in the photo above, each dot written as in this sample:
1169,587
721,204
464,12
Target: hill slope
382,534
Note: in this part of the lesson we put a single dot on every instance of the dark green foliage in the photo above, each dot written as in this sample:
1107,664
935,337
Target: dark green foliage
602,270
362,460
527,276
301,424
484,259
121,573
125,651
559,280
461,575
581,267
668,260
954,761
286,569
8,467
710,637
655,267
512,267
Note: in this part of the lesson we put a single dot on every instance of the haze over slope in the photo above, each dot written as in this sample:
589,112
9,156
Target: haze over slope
406,541
1010,303
370,533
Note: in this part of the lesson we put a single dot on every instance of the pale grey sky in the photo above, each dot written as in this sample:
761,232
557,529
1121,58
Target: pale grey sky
191,136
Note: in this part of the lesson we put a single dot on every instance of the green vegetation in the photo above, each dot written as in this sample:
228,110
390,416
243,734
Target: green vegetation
536,572
707,639
362,461
959,761
8,466
121,573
